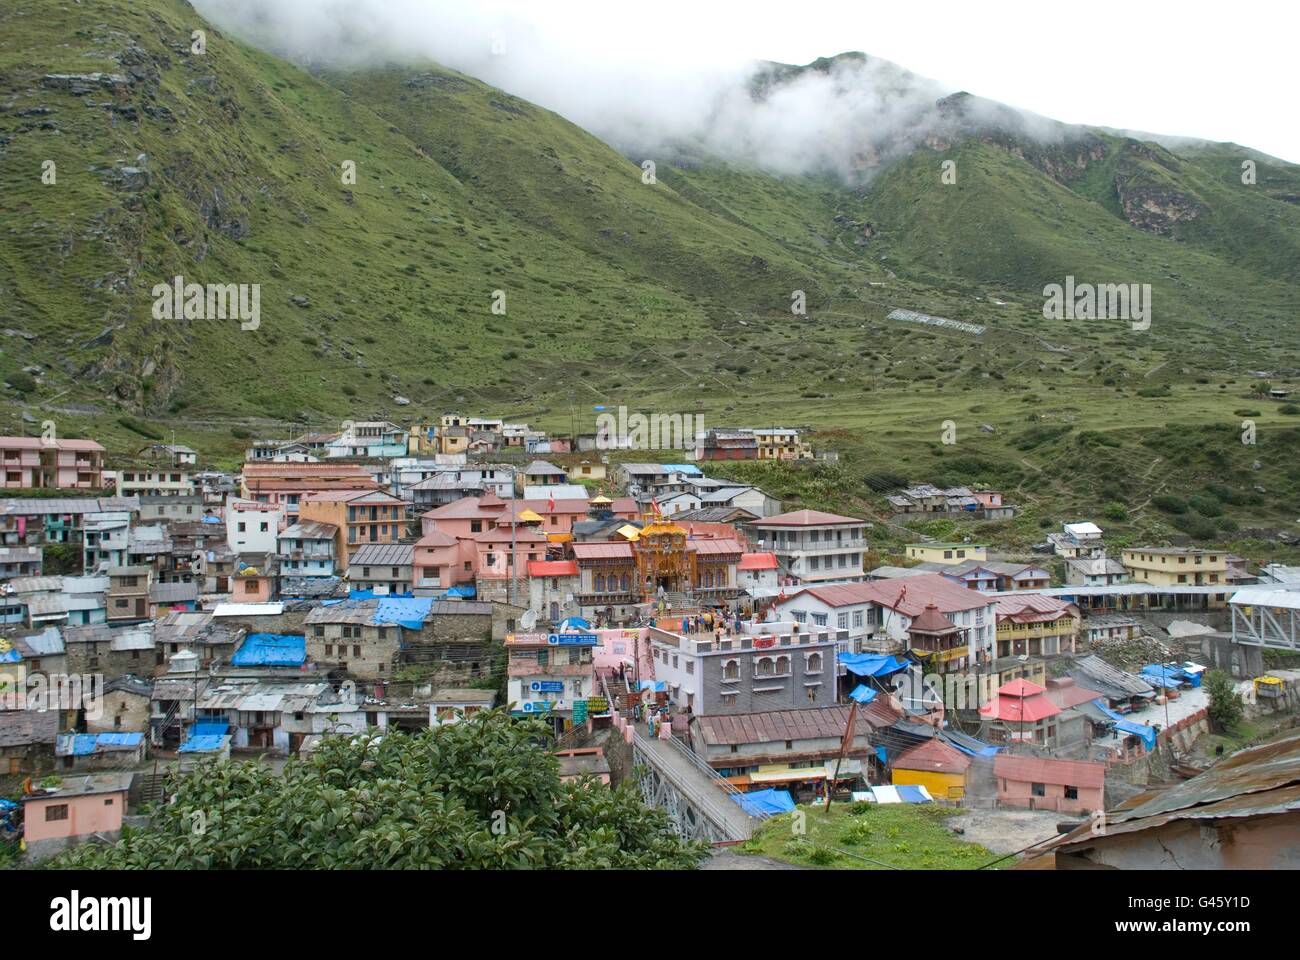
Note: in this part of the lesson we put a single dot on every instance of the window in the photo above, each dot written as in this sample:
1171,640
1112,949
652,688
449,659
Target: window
731,670
108,802
819,619
1071,793
1038,790
814,663
857,618
56,811
690,667
842,621
318,631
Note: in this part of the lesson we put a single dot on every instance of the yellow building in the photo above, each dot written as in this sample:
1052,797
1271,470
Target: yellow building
587,471
1034,625
1174,566
781,443
950,553
939,768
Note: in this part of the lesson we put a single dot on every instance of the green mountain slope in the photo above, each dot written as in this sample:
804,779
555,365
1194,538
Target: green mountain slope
228,167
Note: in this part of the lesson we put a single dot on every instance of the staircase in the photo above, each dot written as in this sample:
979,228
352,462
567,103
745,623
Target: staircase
149,787
616,690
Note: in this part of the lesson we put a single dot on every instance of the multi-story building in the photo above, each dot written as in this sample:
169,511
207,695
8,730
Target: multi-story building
128,594
371,438
877,615
253,527
1176,566
155,482
813,547
548,673
382,568
727,445
1079,539
106,539
780,667
288,483
39,463
781,443
362,516
308,549
1034,625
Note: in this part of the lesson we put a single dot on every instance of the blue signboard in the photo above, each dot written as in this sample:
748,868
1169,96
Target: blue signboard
537,706
573,639
547,686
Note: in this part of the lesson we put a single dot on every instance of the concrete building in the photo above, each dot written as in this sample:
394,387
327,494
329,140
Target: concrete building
383,568
946,553
40,464
253,527
1174,566
813,547
546,674
778,667
80,808
1063,786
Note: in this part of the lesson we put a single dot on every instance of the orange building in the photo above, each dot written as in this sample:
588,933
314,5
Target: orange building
361,516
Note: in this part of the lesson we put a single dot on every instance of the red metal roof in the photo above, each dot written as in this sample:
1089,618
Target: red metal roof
1033,608
933,755
757,561
712,547
552,568
602,551
1073,773
907,595
1020,701
805,518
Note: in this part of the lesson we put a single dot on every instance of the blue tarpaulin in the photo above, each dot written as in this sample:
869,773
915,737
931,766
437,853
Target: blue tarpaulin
1147,735
764,803
572,623
201,745
911,794
658,686
209,728
871,664
371,595
462,592
271,650
968,744
410,614
84,744
882,755
10,656
1156,674
863,693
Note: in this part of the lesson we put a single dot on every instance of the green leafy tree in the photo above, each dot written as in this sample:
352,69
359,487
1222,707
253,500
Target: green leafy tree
483,794
1225,707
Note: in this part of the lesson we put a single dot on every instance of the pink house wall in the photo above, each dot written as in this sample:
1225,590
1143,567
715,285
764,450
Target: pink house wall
1019,793
620,646
86,815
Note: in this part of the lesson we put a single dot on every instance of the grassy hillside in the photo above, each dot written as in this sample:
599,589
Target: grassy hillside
227,167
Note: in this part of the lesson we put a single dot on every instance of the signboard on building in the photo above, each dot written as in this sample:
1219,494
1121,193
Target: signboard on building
537,706
573,639
547,686
762,643
597,705
579,712
526,638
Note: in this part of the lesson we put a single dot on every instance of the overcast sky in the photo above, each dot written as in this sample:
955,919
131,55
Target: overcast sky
1215,71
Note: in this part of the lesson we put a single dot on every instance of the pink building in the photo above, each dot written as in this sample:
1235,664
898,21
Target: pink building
441,561
1066,786
79,808
37,463
988,498
470,516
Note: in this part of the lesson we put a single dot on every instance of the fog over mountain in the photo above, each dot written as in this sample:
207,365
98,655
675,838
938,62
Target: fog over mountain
845,115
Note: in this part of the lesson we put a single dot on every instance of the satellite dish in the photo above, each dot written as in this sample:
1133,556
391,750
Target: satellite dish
528,620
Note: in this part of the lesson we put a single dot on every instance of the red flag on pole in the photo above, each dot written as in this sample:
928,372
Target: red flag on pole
550,504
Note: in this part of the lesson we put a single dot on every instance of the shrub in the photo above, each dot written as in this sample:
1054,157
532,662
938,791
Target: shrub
1169,504
1225,707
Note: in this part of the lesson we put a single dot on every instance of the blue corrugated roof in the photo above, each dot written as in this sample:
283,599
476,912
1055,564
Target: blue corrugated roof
689,469
271,650
201,745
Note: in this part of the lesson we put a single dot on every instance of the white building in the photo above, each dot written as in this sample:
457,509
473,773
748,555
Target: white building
253,527
813,547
